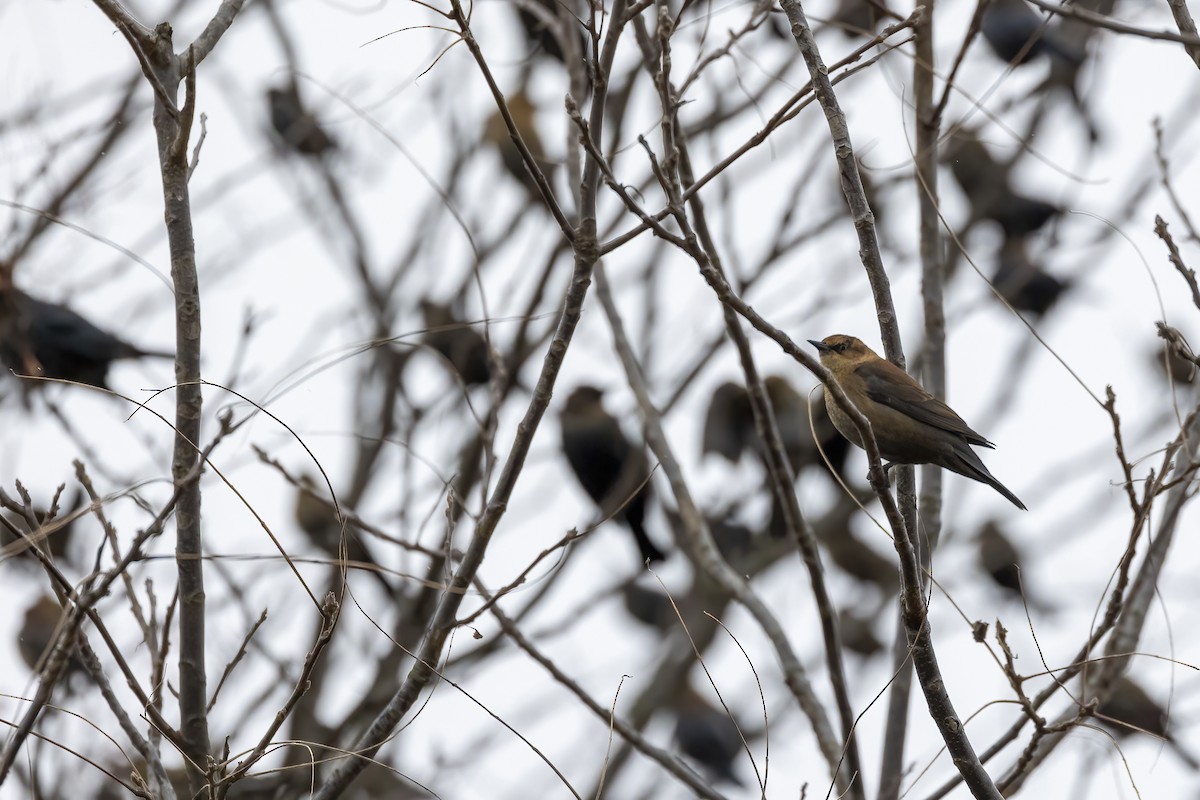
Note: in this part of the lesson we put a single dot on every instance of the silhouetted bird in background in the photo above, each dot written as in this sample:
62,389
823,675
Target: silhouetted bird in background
523,114
612,471
54,537
463,347
859,560
52,341
295,124
729,425
1130,704
648,606
319,522
707,735
985,182
1001,560
910,425
858,633
1026,286
38,633
856,18
1018,34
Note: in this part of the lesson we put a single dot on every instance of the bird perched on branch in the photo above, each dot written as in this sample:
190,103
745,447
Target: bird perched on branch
985,182
52,341
1129,708
459,343
523,114
1002,561
39,631
910,425
613,472
295,124
1018,34
1025,285
707,734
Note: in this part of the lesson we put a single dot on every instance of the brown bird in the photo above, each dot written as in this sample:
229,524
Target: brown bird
523,114
459,343
319,521
911,426
729,423
295,124
52,341
38,633
612,471
1129,708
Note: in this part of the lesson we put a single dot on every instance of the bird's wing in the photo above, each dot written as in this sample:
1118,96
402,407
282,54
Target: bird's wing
891,386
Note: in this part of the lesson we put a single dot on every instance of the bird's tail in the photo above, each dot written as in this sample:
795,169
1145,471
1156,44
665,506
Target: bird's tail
965,462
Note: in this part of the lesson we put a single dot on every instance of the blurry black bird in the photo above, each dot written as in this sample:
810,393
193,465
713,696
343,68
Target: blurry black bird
985,182
1176,364
319,521
524,117
648,606
52,341
791,417
540,29
859,560
858,633
1130,704
1018,34
856,18
1026,286
38,633
729,423
910,425
296,125
707,735
613,472
463,347
53,536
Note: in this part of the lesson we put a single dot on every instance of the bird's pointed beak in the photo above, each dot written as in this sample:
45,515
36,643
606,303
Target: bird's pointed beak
821,346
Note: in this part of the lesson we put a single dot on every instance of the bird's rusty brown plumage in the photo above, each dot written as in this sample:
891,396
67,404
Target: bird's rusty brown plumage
911,426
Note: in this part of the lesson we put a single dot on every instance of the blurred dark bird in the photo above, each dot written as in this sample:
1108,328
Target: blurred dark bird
856,19
297,127
524,117
613,472
707,735
38,632
985,182
1002,562
318,520
52,341
910,425
540,29
858,633
1169,362
54,535
1017,34
859,560
729,423
1026,286
463,347
1128,703
648,606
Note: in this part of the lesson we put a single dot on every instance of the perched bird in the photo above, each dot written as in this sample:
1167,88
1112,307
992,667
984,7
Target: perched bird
295,124
53,537
856,19
1001,560
985,182
1129,708
729,423
859,560
1179,368
1025,285
523,114
539,29
459,343
52,341
612,471
319,522
1017,34
858,632
708,735
38,633
910,425
648,606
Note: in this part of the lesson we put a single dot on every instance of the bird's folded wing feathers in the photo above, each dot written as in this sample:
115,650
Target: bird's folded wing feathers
891,386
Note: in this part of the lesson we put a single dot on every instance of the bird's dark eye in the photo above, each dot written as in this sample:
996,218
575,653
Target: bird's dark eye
841,348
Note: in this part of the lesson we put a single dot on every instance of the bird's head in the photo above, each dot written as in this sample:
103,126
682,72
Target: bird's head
840,350
584,399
